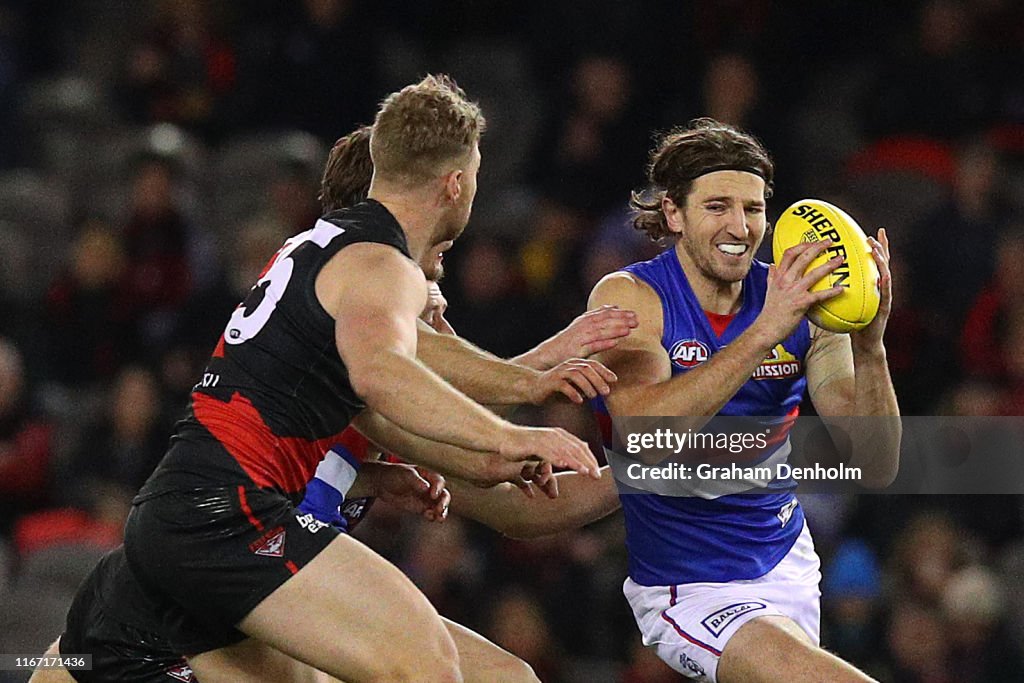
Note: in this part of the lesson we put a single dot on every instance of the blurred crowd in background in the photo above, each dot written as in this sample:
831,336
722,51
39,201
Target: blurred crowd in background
155,154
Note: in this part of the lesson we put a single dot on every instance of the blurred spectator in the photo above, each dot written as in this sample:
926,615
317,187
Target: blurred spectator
491,308
938,71
87,326
318,72
125,445
25,441
597,148
646,667
959,238
973,604
851,599
517,624
158,279
443,565
293,200
982,342
182,68
927,552
1012,356
916,639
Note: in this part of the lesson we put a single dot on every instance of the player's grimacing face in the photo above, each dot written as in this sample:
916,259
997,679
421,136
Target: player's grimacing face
723,223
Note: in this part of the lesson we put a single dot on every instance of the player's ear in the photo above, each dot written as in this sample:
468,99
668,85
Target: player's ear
453,185
673,214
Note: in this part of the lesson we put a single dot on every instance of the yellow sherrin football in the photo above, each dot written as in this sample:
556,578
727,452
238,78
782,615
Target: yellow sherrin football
813,220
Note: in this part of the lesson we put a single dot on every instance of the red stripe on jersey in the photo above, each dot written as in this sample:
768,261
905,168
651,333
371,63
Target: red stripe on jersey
244,502
285,463
356,444
291,567
780,432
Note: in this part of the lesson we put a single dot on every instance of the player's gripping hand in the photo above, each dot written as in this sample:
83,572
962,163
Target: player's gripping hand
870,338
592,332
539,475
413,489
551,445
433,314
789,297
577,379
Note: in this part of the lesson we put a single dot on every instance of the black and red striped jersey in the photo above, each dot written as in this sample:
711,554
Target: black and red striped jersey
276,394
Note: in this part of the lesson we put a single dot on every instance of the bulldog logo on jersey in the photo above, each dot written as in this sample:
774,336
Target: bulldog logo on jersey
689,353
780,364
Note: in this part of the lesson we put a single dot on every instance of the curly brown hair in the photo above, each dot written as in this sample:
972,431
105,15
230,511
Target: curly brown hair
686,153
348,172
422,127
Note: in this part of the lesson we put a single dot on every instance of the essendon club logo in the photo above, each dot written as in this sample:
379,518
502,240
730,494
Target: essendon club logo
270,544
689,353
182,672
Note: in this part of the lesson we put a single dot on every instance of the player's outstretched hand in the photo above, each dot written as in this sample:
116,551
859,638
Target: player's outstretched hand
577,378
551,445
789,283
590,333
413,489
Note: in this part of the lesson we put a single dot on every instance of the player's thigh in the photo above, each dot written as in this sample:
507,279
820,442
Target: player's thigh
481,661
52,675
252,660
774,648
353,614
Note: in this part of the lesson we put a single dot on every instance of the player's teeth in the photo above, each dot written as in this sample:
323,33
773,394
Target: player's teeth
734,249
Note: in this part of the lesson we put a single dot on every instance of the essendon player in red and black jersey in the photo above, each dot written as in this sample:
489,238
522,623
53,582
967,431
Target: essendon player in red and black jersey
330,327
276,394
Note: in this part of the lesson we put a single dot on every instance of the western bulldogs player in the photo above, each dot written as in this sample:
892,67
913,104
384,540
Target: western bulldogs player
725,587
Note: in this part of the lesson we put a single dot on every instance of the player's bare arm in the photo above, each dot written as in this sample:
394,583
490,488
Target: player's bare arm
477,467
376,338
589,333
581,501
847,375
646,386
488,379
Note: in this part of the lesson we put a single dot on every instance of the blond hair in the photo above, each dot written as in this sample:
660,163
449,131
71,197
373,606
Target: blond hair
421,128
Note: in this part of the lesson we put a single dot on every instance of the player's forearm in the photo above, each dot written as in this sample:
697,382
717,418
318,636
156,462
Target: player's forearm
538,358
504,508
876,445
482,469
413,397
701,392
480,375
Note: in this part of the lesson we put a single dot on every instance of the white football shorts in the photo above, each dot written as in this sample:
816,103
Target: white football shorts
689,625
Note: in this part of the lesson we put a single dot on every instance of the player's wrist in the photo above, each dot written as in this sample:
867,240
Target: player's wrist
761,336
872,350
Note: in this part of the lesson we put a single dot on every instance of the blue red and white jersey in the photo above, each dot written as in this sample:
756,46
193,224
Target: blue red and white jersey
713,533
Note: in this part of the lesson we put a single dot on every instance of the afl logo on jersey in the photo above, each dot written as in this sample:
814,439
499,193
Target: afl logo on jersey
689,353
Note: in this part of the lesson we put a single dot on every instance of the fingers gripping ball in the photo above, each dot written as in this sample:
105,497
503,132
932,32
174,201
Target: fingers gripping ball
813,220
